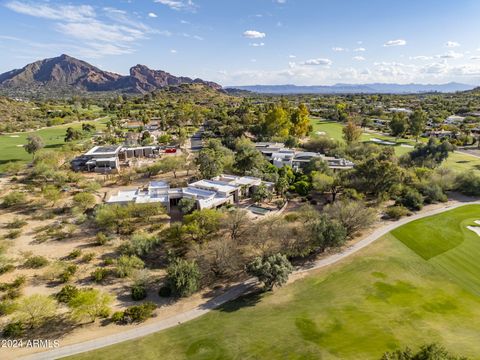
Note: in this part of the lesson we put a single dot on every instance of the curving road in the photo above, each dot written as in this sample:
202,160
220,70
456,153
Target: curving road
232,293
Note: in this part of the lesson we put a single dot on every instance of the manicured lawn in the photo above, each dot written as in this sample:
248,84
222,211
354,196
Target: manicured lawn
11,146
384,297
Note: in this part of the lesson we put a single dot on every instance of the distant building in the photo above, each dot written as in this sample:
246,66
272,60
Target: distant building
208,194
454,120
400,110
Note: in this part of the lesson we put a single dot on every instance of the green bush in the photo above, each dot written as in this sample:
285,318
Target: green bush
6,307
396,212
138,292
14,198
410,198
68,273
183,277
14,330
67,293
13,234
117,317
88,257
101,239
127,264
35,262
139,313
99,274
16,224
74,254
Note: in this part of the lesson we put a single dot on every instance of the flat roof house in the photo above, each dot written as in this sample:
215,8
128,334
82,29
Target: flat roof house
208,194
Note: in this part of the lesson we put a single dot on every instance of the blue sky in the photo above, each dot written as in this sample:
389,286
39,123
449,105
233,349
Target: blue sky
238,42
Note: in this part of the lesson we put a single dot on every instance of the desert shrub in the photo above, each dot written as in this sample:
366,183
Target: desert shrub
35,262
68,273
74,254
291,217
66,294
6,307
16,224
433,193
13,234
14,329
396,212
183,277
88,257
83,200
101,238
99,274
126,265
138,292
165,291
14,198
136,313
410,198
468,183
140,244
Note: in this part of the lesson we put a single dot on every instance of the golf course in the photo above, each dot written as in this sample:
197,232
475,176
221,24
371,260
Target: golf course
418,284
11,145
456,161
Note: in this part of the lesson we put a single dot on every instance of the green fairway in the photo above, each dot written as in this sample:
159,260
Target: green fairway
11,145
334,130
383,297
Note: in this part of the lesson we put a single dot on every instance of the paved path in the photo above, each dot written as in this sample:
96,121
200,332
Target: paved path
231,294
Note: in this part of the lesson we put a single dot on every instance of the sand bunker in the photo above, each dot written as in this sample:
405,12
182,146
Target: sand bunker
14,135
475,229
383,142
321,133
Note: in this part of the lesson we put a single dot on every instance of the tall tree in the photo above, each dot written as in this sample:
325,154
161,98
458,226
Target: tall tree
34,143
398,125
417,122
351,132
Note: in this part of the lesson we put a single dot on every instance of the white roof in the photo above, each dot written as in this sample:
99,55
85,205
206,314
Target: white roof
123,196
214,185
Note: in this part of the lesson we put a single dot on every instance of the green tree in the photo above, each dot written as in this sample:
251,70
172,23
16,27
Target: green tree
351,132
90,304
247,157
417,122
35,309
426,352
398,124
272,271
277,122
84,200
202,225
72,135
187,205
183,277
34,144
300,121
261,193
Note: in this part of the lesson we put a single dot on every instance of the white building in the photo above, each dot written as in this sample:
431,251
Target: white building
208,194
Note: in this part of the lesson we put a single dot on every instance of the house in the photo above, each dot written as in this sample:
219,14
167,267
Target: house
400,110
454,120
106,159
208,194
281,156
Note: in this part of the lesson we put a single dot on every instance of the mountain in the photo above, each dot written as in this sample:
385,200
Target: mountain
374,88
67,75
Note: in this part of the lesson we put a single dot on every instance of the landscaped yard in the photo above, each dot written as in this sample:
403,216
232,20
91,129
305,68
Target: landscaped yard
11,145
418,285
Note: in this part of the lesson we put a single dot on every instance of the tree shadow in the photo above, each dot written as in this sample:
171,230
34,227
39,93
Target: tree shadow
249,299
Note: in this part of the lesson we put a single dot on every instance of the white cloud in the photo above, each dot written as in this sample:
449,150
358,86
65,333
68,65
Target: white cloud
179,5
450,55
420,57
338,49
257,44
280,1
292,56
452,44
319,61
358,58
173,51
360,49
254,34
152,15
475,58
109,32
399,42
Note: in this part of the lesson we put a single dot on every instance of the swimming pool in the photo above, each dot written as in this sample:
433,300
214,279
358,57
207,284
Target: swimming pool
258,210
